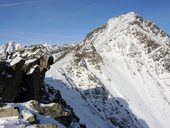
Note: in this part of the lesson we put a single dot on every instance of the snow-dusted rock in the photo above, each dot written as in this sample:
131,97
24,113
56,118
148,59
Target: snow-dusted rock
22,73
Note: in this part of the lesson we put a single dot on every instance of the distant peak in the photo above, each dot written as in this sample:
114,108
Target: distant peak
10,47
11,42
132,14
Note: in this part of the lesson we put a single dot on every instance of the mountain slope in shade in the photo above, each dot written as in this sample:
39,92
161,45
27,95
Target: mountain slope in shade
119,75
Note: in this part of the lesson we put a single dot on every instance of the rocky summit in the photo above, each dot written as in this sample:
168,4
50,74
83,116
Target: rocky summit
118,77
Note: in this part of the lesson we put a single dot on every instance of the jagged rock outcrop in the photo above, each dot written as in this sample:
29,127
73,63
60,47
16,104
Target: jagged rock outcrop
22,73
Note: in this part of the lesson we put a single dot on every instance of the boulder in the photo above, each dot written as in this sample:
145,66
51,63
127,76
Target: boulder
32,119
46,60
56,111
9,112
45,126
22,126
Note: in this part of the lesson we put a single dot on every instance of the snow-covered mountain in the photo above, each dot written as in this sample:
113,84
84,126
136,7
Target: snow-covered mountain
119,76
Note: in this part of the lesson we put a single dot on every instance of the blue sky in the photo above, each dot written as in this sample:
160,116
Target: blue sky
66,21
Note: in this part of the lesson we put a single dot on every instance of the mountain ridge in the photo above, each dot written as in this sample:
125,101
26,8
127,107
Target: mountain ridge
129,52
119,76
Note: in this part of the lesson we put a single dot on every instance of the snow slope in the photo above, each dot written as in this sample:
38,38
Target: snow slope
72,97
119,76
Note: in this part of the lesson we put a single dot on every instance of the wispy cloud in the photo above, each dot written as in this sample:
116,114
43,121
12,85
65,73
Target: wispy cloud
22,3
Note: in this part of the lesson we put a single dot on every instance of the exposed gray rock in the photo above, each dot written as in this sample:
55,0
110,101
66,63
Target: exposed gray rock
45,126
32,119
56,111
22,126
9,112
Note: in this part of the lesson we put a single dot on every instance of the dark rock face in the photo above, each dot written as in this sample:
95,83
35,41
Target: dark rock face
10,78
22,75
